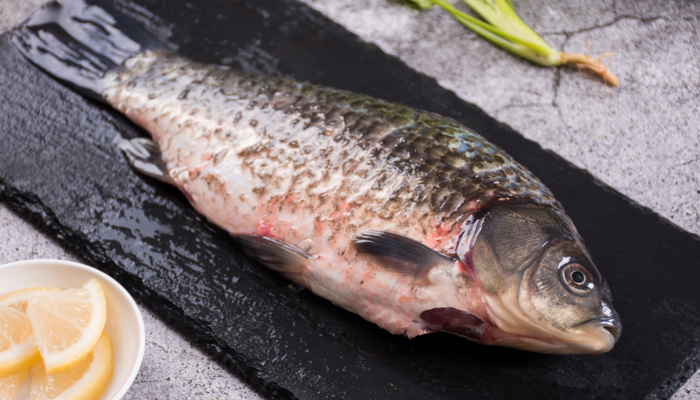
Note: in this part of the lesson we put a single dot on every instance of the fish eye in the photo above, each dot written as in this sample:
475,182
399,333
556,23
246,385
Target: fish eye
577,278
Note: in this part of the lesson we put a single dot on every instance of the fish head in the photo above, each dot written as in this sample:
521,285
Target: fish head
541,290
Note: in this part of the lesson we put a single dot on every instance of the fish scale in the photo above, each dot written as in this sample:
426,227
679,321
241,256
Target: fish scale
302,146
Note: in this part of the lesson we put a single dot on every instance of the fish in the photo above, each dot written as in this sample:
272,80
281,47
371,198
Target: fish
407,218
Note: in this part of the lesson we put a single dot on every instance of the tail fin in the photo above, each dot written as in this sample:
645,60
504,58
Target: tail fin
78,41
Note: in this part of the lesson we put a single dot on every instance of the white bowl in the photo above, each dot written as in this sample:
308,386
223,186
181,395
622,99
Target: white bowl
124,322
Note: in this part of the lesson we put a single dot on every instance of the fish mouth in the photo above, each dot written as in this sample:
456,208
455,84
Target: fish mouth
602,334
613,327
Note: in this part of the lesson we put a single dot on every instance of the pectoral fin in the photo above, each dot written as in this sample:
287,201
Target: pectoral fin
144,156
278,256
399,253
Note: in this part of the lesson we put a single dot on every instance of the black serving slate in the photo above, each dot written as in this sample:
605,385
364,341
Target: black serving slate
60,169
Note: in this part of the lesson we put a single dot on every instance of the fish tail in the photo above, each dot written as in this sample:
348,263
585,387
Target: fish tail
79,41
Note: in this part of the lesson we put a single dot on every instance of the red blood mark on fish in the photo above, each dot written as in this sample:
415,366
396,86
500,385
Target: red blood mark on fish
194,173
440,238
266,229
318,227
467,267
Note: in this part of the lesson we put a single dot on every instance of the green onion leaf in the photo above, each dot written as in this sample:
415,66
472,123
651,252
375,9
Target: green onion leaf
502,27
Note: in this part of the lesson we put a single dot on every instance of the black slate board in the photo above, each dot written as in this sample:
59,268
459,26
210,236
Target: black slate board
60,169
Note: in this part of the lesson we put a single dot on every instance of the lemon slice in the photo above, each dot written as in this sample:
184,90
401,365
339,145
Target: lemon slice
17,345
67,325
86,380
18,349
19,298
10,384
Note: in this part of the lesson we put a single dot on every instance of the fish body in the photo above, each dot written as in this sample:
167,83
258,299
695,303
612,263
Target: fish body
313,167
404,217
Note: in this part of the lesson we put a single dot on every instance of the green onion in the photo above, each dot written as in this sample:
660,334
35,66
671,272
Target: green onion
502,27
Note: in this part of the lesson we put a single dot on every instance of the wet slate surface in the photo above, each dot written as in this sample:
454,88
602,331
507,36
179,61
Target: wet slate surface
60,169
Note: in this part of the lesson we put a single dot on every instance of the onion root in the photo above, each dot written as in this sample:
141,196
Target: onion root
593,65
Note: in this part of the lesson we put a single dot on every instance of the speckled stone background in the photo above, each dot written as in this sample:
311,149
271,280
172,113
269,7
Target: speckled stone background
641,138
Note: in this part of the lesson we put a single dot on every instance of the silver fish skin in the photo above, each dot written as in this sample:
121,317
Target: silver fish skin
405,217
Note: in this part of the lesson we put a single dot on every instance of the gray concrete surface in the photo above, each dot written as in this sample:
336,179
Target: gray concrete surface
641,138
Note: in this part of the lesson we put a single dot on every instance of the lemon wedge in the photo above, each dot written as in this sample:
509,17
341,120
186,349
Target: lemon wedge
19,298
67,325
10,384
18,348
86,380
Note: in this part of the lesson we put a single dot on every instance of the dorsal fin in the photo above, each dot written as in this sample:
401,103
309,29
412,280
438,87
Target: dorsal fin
399,253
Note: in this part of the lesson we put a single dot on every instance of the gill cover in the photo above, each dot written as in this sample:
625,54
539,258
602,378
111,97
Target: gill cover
543,292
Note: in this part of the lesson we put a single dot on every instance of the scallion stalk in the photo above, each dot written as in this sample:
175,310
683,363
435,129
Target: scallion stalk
502,27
